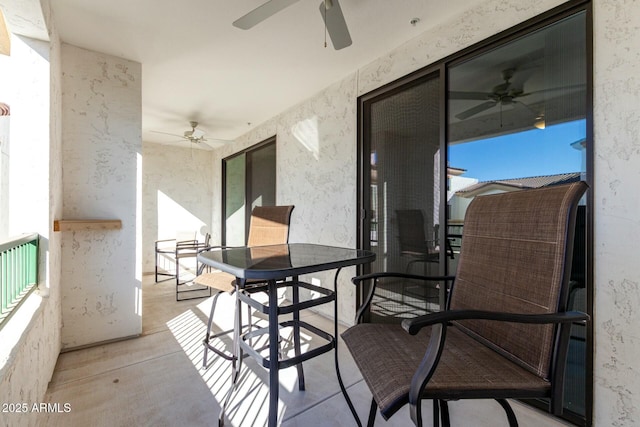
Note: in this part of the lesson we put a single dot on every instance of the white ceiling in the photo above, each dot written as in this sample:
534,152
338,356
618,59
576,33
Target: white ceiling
197,66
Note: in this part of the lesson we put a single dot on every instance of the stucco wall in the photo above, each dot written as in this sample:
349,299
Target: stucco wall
177,195
102,146
617,203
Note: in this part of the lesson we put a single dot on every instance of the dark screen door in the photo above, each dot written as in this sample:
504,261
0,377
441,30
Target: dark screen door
249,180
401,169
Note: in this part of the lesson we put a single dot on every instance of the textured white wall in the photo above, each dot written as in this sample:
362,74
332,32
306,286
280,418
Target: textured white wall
617,203
53,260
177,195
102,150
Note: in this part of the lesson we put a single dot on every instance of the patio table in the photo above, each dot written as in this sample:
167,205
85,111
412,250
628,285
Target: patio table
280,266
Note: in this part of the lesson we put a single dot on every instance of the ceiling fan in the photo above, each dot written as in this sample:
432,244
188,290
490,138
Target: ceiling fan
501,94
330,10
507,93
195,136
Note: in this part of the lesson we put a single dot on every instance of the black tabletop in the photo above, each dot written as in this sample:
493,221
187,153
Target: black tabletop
280,261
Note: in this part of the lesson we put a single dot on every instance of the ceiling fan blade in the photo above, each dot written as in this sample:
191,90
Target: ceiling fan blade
520,104
261,13
167,133
480,96
197,133
475,110
568,89
336,25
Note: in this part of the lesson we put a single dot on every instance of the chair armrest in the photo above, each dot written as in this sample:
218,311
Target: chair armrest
165,248
375,276
165,240
439,322
414,325
356,280
186,243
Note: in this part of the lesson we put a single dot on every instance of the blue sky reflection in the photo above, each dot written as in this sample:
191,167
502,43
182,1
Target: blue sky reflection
536,152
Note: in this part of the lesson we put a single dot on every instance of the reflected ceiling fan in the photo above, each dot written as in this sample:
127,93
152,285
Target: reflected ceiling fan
507,93
330,10
502,94
195,136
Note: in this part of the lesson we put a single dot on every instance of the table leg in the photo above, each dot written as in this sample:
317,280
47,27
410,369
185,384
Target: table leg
296,334
274,334
335,352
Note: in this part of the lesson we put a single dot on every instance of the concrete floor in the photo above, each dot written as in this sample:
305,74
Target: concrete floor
157,379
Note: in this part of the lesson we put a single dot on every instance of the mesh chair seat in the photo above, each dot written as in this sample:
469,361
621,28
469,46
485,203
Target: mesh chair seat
465,365
219,280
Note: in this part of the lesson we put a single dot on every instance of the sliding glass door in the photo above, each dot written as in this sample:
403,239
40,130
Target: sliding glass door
517,119
401,172
249,180
508,114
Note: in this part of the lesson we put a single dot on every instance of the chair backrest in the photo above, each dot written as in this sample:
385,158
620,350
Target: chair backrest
411,230
516,257
269,225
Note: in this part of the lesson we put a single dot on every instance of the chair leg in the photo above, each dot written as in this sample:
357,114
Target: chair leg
249,324
372,413
408,269
511,416
208,335
177,276
436,413
444,413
